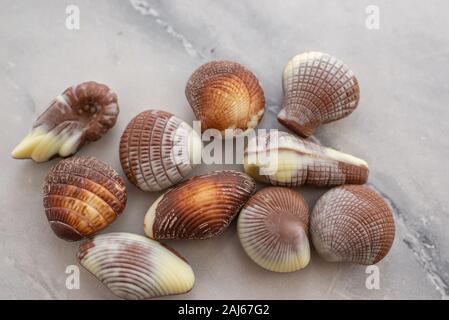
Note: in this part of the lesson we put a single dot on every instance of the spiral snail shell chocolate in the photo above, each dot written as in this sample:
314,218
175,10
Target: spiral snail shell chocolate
81,114
273,229
82,195
353,224
199,208
318,89
135,267
282,159
157,150
225,95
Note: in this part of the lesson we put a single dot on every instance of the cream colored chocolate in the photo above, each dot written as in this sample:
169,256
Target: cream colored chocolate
283,159
199,208
318,89
135,267
81,114
157,150
82,195
352,224
225,95
273,229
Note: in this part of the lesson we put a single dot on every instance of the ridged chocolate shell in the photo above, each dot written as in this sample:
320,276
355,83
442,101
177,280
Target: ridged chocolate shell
81,114
199,208
273,229
225,95
82,195
157,150
352,224
294,162
318,89
135,267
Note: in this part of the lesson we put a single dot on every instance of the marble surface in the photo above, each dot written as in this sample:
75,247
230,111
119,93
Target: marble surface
146,51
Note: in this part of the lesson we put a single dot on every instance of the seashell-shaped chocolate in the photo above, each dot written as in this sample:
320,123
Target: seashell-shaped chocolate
283,159
225,95
81,114
318,89
352,224
135,267
82,195
199,208
157,150
273,229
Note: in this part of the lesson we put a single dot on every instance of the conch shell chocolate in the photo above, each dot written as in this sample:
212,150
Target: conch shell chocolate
81,114
282,159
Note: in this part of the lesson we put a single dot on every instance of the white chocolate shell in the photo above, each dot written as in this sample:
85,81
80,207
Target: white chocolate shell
135,267
82,195
282,159
273,229
157,150
352,224
318,89
81,114
199,208
225,95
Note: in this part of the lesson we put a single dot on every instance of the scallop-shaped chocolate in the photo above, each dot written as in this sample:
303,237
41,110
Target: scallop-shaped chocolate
82,195
273,229
352,224
225,95
199,208
81,114
135,267
318,89
282,159
157,150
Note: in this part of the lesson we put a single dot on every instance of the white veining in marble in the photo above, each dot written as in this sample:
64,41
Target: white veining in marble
146,50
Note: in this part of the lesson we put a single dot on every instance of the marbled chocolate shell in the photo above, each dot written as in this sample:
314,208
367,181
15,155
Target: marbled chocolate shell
283,159
199,208
273,229
318,89
81,114
82,195
135,267
225,95
157,150
352,224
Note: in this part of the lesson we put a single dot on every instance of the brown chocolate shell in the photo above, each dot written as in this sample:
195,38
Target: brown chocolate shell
82,195
352,224
157,150
282,159
81,114
273,229
225,95
318,89
199,208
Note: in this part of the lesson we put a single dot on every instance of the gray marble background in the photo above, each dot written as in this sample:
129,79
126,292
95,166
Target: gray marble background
146,50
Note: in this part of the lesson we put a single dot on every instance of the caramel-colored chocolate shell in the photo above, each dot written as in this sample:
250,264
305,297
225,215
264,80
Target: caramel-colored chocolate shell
225,95
82,195
199,208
